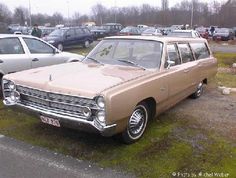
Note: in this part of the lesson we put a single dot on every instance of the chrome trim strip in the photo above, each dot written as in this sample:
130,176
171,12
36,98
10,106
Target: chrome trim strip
70,118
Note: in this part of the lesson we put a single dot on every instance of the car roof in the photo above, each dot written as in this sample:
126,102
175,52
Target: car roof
157,38
15,35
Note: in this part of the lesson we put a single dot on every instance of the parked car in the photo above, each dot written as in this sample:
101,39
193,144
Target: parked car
204,32
99,32
122,83
112,28
46,30
70,36
152,32
184,33
21,52
130,30
223,34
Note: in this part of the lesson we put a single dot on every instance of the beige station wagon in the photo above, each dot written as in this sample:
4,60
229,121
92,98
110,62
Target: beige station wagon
121,84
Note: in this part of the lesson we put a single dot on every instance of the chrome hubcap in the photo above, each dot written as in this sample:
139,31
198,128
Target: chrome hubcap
137,122
199,89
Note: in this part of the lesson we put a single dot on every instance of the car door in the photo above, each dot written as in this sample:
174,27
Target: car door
189,66
80,36
13,56
176,77
70,37
42,54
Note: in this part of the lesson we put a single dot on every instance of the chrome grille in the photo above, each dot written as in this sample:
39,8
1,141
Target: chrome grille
55,102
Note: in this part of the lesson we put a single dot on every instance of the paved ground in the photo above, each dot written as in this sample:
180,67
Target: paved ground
20,160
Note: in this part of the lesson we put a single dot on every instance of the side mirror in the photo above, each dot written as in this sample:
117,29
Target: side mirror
170,63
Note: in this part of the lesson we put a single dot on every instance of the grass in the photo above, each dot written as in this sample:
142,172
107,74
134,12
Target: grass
226,79
172,143
225,59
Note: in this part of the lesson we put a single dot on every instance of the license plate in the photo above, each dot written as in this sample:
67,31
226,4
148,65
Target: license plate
50,121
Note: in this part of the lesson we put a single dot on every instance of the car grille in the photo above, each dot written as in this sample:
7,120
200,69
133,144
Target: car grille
53,102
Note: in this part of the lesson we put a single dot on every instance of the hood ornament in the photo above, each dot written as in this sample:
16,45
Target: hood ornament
50,78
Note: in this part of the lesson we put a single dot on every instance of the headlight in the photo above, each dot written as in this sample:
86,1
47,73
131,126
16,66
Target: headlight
11,85
14,96
101,102
8,85
101,116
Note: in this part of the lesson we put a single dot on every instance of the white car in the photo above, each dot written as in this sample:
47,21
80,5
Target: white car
21,52
151,32
184,33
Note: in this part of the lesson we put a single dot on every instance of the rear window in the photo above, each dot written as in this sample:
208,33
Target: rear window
200,50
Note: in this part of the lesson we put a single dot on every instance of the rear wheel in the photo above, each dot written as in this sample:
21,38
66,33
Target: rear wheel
86,44
198,91
136,124
60,47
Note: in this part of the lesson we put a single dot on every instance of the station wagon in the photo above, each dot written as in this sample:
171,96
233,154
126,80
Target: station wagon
122,83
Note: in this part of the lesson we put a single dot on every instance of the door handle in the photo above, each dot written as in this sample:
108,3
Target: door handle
1,61
35,60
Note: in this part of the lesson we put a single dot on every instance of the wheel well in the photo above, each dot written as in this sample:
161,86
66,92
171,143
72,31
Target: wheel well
205,81
151,105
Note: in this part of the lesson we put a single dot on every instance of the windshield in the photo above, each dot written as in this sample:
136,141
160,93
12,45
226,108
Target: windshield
58,32
137,53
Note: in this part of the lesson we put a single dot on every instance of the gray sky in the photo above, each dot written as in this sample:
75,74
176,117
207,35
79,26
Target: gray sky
81,6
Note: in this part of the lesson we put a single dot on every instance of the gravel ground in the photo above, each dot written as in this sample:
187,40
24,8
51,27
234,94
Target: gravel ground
213,111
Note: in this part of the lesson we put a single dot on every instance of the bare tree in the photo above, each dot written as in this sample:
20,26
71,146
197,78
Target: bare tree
20,15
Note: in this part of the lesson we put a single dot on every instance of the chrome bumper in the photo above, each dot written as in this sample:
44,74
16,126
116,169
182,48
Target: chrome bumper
72,122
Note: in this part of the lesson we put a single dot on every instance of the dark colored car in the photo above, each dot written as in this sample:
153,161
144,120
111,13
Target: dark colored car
99,32
46,30
130,30
112,28
70,36
223,34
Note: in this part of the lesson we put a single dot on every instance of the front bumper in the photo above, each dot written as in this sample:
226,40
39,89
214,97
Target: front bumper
72,122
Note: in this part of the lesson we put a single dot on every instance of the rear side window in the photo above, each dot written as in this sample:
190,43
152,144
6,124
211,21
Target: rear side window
185,53
11,46
200,50
37,47
172,54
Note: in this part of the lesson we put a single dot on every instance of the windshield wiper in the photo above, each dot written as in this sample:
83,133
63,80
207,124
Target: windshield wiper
131,62
93,59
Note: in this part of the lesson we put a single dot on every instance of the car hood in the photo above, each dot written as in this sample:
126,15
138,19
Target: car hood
80,79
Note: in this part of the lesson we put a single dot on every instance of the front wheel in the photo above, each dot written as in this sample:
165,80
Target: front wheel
136,124
198,91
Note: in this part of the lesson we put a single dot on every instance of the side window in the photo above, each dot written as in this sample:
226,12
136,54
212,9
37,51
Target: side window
185,53
172,54
37,47
10,46
200,50
79,31
70,33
